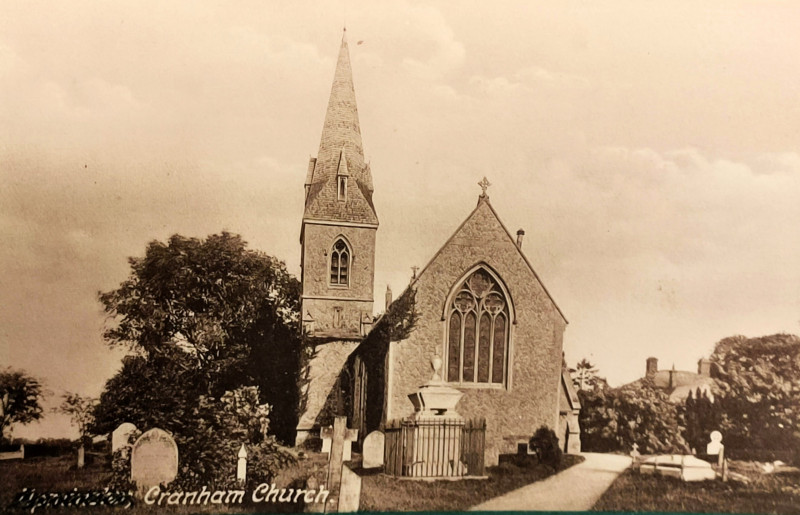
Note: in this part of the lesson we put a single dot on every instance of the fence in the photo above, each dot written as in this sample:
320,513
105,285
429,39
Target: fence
435,448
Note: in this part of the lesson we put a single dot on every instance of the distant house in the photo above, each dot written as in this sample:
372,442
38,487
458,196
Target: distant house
678,383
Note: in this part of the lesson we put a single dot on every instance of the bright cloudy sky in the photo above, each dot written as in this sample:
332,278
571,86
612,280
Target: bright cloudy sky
650,150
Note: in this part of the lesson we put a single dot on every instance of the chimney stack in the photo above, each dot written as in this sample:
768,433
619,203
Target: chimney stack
388,297
520,234
652,366
704,367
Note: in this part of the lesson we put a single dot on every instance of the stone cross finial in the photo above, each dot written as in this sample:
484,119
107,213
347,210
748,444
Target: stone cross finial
484,184
414,269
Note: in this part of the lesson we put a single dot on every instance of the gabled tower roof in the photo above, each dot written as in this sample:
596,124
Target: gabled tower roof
341,138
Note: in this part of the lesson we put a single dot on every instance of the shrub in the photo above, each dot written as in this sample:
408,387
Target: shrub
545,444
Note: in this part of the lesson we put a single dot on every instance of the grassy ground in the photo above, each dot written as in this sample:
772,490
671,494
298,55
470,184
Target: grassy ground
379,492
384,493
60,475
764,494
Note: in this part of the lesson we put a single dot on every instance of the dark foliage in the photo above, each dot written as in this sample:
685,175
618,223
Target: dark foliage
701,416
614,419
544,443
759,403
206,320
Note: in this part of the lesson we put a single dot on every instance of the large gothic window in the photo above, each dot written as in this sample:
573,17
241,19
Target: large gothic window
340,263
478,332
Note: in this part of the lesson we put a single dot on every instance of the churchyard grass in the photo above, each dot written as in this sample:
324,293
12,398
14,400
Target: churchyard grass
380,492
765,493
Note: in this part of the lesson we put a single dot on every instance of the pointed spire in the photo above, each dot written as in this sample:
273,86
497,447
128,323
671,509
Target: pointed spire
341,150
342,128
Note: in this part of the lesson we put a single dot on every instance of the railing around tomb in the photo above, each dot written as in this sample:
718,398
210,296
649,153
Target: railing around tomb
435,448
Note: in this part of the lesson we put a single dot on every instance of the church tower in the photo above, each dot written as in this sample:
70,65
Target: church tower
338,246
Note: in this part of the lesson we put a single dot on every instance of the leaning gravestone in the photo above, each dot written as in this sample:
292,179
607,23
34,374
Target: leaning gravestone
154,459
373,450
122,436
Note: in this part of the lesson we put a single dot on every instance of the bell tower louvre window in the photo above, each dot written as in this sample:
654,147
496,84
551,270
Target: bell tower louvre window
340,263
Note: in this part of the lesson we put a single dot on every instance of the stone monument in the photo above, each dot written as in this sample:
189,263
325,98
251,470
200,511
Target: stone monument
437,428
154,460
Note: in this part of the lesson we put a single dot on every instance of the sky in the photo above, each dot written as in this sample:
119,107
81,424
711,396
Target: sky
650,150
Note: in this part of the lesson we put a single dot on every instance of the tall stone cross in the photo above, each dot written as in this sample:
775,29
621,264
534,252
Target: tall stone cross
484,184
340,438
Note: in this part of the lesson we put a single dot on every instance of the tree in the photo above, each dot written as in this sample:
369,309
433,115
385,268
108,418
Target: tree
216,308
759,401
20,399
204,319
701,416
640,412
80,410
585,376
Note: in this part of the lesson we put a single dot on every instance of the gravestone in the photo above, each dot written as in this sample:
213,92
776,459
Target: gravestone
635,455
350,436
715,445
350,491
716,448
340,438
373,450
154,459
122,436
241,465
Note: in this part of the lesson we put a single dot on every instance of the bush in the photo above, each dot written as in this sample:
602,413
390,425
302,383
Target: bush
545,444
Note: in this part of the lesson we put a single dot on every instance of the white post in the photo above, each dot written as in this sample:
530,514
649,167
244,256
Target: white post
241,467
81,452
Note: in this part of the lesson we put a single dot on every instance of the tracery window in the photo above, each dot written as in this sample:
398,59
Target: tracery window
340,263
478,332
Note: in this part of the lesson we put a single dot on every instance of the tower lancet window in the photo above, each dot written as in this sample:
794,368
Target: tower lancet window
340,263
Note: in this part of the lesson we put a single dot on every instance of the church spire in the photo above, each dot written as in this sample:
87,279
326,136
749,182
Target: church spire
341,136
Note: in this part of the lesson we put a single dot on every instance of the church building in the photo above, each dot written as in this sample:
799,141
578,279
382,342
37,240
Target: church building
478,306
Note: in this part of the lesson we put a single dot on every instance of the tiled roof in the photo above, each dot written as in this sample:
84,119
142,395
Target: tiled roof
341,136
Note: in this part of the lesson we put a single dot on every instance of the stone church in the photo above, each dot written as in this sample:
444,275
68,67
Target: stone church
479,307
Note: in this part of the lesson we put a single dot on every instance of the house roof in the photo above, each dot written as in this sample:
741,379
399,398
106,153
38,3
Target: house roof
483,200
683,382
340,149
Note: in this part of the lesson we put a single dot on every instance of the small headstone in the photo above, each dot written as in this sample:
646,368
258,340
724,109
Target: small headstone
154,459
635,454
373,450
122,436
715,445
241,466
350,491
81,457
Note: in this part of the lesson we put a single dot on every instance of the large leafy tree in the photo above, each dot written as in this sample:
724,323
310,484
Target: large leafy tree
201,317
759,380
640,413
20,399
